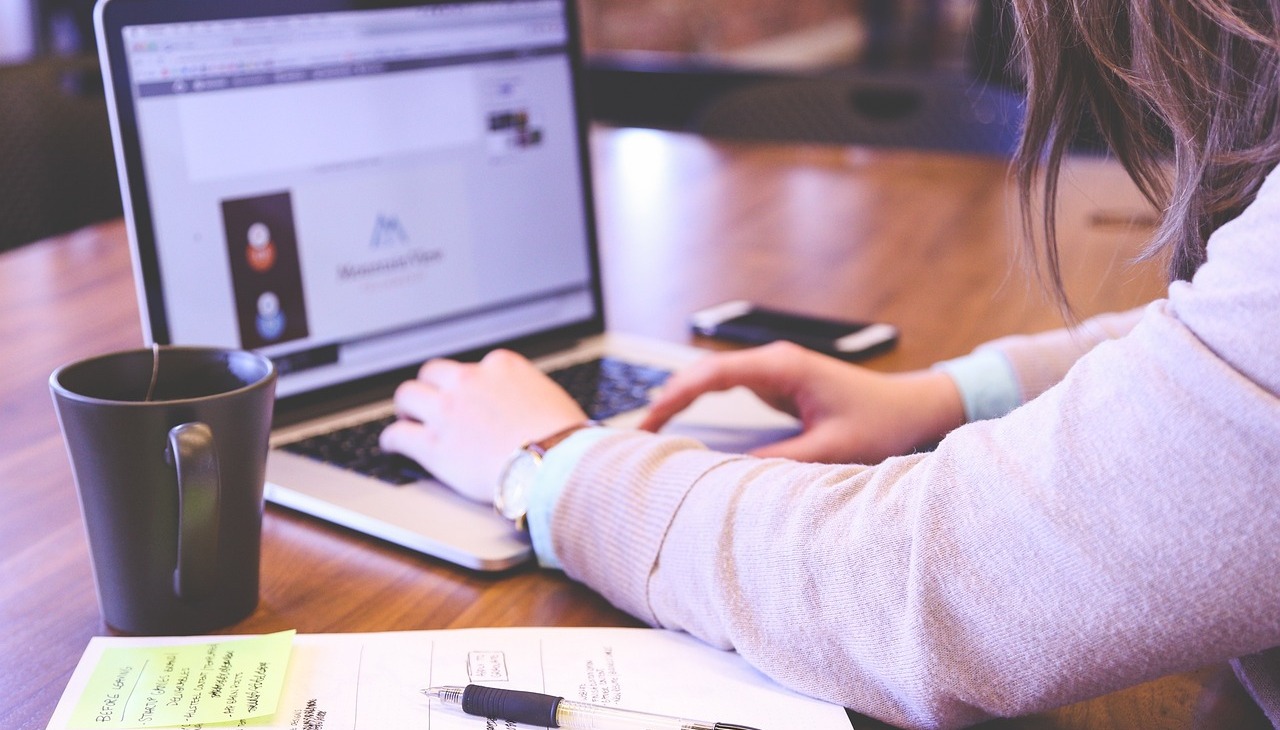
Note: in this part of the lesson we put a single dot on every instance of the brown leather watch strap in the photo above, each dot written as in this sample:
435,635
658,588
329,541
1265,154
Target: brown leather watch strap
542,446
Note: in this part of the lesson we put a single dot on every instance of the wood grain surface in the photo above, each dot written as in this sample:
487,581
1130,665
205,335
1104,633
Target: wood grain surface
924,241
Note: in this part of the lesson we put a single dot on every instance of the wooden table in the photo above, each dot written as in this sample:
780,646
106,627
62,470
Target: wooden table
920,240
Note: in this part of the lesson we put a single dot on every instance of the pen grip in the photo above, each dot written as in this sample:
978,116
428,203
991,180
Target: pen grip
527,708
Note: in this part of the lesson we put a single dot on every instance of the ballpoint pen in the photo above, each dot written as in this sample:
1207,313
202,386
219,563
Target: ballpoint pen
539,710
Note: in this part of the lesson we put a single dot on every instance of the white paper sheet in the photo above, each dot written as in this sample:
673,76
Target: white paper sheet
374,681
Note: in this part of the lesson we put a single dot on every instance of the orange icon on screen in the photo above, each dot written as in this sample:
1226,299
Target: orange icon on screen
261,251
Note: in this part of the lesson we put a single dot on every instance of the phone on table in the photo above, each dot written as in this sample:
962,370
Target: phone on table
744,322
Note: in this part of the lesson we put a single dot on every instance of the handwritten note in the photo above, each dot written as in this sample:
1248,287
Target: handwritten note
487,666
224,681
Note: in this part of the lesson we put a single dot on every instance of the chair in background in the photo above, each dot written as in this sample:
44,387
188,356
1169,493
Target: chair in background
935,111
57,167
927,109
659,94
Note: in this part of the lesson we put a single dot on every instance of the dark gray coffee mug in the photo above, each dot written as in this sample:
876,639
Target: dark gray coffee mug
170,485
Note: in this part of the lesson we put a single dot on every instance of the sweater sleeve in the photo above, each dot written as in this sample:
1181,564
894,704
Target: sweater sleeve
1040,361
1116,528
1003,374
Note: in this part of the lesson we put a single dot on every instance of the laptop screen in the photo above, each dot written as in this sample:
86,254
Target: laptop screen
352,191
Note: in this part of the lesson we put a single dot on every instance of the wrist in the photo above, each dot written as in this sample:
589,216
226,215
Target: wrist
936,404
986,382
511,493
547,443
553,479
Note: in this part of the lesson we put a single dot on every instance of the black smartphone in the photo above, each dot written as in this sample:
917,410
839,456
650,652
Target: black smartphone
748,323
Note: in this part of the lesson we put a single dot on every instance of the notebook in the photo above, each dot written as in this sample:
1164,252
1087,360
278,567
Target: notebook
353,187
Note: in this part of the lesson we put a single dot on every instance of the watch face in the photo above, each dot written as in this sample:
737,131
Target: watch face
514,495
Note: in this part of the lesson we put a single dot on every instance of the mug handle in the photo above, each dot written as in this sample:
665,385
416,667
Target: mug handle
191,451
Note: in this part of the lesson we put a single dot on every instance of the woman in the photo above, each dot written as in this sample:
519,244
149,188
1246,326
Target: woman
1105,515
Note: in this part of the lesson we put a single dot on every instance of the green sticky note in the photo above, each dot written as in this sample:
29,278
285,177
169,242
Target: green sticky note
189,684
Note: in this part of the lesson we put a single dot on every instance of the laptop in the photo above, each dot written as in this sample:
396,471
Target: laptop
351,187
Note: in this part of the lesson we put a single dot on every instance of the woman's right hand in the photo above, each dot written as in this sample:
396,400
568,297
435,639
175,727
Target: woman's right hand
849,414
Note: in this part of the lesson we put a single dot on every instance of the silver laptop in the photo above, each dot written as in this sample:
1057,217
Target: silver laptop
352,187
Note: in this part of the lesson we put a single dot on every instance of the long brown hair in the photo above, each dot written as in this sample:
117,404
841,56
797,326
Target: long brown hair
1185,93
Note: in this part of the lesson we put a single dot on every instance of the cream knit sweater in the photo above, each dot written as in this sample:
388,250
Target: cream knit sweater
1121,525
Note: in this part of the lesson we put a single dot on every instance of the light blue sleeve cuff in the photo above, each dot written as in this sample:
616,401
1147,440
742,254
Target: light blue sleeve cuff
988,385
557,465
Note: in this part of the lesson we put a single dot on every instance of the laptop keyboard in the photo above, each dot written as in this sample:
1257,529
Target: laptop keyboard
356,448
604,387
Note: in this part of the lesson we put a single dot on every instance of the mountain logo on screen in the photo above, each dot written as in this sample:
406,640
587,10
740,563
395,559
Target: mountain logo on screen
388,231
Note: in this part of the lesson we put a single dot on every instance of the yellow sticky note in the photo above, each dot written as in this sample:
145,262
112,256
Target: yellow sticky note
189,684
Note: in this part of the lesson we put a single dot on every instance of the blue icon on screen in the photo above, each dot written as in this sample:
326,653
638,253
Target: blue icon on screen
270,320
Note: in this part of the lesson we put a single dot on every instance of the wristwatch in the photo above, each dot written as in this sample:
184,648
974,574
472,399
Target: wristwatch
511,500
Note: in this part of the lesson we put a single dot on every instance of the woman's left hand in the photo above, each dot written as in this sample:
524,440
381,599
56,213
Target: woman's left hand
462,421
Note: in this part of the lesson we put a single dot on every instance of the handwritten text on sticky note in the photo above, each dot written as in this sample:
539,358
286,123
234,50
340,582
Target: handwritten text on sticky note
189,684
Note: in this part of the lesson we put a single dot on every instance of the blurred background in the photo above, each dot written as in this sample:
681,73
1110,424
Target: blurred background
777,34
931,74
786,34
